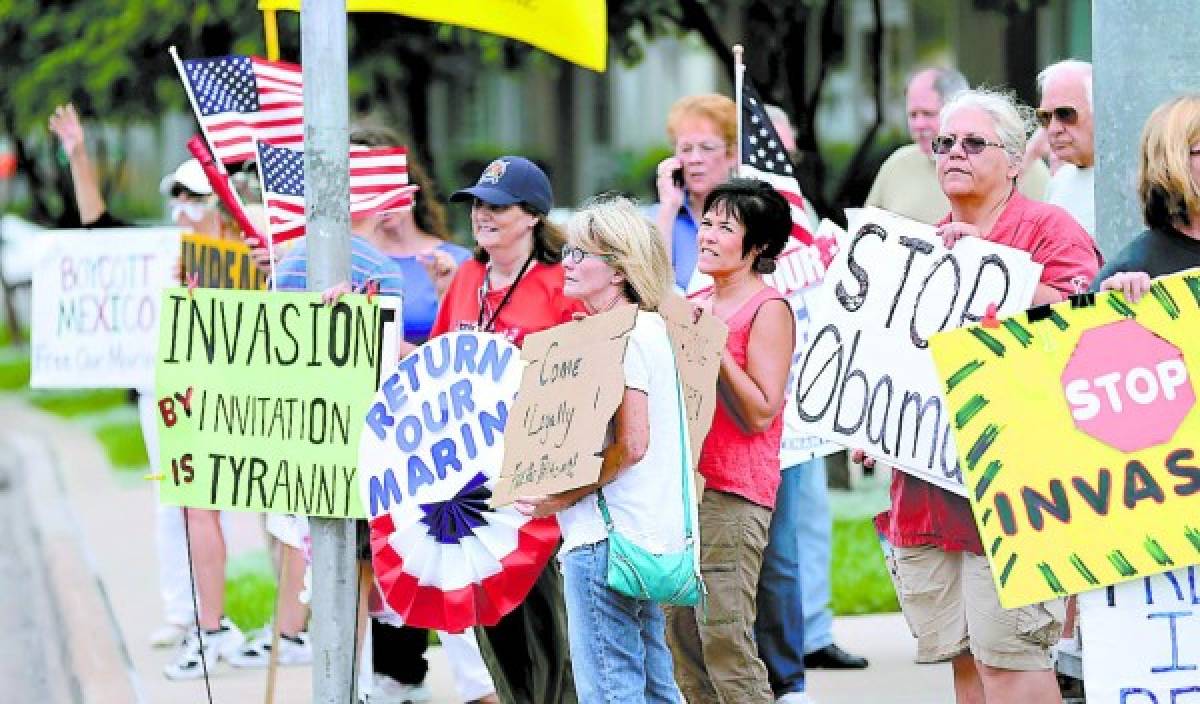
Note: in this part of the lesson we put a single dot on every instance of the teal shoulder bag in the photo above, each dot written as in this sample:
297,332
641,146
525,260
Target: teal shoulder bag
672,578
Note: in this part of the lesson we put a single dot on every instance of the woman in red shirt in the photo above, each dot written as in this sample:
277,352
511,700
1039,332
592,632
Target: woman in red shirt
513,286
943,581
745,226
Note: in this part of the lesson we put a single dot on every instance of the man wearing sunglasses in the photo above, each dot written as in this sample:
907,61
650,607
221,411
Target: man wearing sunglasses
907,183
1065,114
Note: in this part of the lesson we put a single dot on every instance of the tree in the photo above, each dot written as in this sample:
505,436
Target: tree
110,58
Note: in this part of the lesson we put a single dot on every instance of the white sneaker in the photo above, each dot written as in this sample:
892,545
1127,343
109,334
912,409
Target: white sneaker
257,653
385,690
170,635
796,698
192,660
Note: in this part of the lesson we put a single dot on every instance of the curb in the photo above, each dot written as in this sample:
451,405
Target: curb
93,650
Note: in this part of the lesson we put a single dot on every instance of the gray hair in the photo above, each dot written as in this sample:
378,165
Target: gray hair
1012,120
1068,68
947,82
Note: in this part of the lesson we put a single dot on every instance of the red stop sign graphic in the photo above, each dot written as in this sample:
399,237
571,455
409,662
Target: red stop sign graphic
1127,387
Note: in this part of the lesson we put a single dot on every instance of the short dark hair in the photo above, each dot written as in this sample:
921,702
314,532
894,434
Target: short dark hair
764,213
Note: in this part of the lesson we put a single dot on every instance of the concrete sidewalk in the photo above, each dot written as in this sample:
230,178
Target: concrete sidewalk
97,537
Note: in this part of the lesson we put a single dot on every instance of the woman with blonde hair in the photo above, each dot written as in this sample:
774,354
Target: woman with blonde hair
614,257
1169,190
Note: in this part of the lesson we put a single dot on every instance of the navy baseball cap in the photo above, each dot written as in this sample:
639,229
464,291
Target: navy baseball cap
508,180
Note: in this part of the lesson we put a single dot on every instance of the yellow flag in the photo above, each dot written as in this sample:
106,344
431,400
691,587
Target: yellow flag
575,30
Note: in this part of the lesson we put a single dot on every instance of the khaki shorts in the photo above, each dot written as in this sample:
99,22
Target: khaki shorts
951,605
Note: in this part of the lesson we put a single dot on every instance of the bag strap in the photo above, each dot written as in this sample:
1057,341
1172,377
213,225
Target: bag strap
685,452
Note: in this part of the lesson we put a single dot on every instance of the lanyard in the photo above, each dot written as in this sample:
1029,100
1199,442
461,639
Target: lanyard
483,291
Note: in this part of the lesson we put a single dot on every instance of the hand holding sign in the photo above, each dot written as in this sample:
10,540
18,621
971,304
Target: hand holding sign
572,384
1112,495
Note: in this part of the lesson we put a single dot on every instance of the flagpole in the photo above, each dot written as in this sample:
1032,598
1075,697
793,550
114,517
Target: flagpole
739,71
262,186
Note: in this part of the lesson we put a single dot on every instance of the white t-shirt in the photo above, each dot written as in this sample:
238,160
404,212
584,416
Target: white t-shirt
1074,190
646,500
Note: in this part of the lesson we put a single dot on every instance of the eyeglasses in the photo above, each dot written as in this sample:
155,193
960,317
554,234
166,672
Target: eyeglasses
1065,114
576,254
704,148
942,144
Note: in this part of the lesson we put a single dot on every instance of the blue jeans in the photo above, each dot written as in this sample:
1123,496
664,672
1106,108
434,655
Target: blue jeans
619,649
792,562
815,533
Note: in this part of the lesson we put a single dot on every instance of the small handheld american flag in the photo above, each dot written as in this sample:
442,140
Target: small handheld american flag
764,158
378,183
240,99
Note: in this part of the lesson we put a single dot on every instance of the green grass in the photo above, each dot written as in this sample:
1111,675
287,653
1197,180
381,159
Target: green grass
124,444
861,584
14,369
250,590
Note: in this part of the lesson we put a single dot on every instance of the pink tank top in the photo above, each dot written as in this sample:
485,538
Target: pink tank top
733,460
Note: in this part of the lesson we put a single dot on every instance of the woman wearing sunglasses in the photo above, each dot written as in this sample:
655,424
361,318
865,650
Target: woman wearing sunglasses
943,581
619,653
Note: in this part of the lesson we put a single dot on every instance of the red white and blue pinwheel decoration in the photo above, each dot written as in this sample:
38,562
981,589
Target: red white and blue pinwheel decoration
430,452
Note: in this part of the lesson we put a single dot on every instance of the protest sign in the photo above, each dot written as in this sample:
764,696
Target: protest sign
221,263
1078,433
438,421
430,457
262,398
1141,640
866,379
572,383
95,306
698,339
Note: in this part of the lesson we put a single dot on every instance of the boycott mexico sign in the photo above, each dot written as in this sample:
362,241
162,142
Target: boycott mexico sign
95,306
866,379
262,398
1078,431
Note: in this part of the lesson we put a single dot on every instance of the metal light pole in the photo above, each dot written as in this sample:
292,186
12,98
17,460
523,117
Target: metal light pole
327,204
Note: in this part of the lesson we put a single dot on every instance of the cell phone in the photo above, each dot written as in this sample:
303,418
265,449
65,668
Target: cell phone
677,177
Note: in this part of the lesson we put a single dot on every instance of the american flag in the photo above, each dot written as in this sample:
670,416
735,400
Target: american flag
378,182
764,158
239,99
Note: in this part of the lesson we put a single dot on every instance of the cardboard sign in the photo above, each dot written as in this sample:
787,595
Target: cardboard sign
221,263
95,306
262,398
1079,433
698,342
572,383
866,379
1141,640
438,421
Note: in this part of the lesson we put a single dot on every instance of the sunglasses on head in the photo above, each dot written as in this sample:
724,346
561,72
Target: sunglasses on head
1065,114
971,144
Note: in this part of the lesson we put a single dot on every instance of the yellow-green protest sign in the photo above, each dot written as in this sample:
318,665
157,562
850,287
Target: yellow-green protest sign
221,263
262,397
1078,431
